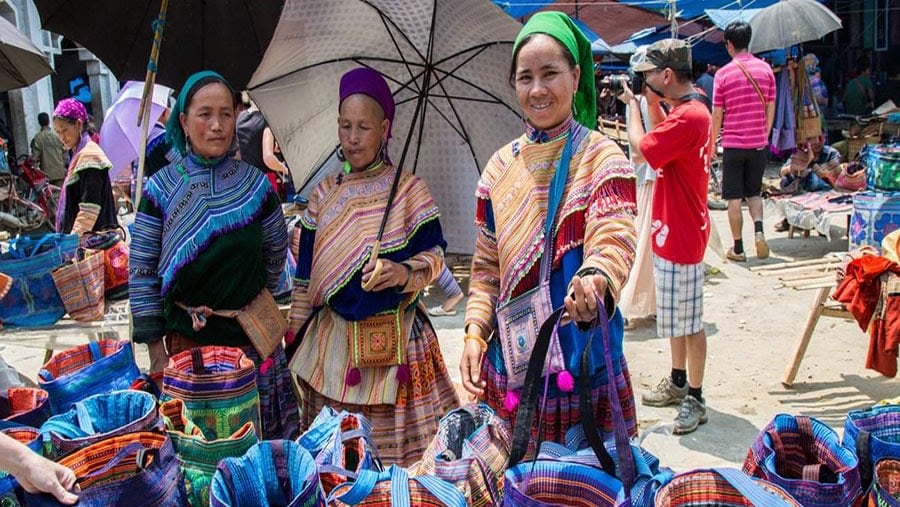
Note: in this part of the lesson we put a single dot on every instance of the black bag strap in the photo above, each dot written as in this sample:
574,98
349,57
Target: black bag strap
530,396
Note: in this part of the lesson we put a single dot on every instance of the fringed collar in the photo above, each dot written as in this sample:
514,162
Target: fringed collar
536,135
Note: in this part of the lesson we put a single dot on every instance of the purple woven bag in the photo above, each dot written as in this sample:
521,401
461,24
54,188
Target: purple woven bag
804,456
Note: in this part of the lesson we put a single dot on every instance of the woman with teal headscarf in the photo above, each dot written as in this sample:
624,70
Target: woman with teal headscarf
592,246
209,232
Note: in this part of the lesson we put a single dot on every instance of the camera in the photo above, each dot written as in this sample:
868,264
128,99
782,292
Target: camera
617,83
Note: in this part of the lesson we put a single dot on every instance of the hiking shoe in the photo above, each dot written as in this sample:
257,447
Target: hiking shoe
737,257
691,413
665,393
762,248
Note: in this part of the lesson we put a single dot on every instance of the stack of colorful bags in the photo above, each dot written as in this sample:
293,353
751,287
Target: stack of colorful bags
200,446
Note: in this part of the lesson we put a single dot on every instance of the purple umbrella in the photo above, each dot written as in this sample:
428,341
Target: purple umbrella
120,137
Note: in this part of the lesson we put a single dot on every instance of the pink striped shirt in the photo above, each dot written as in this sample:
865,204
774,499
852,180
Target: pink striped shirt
744,124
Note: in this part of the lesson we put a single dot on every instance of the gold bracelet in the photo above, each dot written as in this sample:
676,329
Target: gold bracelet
478,339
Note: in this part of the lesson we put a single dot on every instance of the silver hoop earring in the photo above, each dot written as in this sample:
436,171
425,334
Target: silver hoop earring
339,153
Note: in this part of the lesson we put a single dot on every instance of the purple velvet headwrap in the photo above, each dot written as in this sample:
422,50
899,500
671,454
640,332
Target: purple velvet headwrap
371,83
71,108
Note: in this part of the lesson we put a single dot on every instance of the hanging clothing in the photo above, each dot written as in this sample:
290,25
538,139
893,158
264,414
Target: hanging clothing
594,228
87,187
339,227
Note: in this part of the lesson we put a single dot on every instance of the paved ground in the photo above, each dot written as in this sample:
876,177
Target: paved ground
752,329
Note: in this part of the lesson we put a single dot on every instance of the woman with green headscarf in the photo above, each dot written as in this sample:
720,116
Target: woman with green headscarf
590,248
209,235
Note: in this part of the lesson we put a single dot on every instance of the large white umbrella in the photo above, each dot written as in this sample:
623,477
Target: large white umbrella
791,22
446,61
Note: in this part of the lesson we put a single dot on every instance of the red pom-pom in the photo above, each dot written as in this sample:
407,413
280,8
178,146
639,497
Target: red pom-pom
511,401
354,377
289,337
264,367
565,381
403,374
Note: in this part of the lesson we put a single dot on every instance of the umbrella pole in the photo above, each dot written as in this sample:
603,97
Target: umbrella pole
418,117
143,119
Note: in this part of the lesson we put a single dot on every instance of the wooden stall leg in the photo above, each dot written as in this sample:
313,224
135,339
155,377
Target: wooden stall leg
814,313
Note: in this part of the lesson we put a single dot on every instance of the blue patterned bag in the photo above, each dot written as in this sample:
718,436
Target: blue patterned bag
33,300
8,483
273,472
133,470
875,215
872,434
99,418
94,368
804,456
341,445
394,486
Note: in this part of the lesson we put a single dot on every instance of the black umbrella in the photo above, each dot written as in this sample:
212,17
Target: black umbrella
228,36
21,63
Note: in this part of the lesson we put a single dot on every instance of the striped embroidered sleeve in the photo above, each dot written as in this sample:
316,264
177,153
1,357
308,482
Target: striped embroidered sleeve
484,284
301,299
425,265
610,239
275,241
144,283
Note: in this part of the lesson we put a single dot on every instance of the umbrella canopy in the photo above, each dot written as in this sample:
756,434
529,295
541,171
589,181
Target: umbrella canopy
791,22
120,137
452,57
229,36
21,63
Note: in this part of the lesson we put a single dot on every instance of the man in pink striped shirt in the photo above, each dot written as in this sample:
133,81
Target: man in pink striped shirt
744,103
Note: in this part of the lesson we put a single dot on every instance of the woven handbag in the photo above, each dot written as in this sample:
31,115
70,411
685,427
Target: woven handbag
99,418
97,367
33,299
199,456
885,490
341,445
218,388
613,474
872,435
804,456
723,487
115,260
25,406
9,487
80,285
470,451
274,472
394,486
133,470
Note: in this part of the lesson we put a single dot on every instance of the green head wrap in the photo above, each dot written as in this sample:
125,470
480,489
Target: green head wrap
174,132
560,26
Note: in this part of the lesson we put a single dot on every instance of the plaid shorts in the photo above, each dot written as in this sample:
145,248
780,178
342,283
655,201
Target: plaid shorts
679,298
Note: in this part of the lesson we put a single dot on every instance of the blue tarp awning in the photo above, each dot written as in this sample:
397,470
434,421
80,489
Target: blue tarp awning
693,8
724,17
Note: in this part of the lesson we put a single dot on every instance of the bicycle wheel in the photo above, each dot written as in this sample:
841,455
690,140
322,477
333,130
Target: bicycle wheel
49,201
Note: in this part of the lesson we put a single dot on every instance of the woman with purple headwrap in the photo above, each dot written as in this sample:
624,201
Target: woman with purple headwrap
86,199
370,350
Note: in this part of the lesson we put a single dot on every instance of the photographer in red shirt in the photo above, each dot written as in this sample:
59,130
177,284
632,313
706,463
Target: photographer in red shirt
679,147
